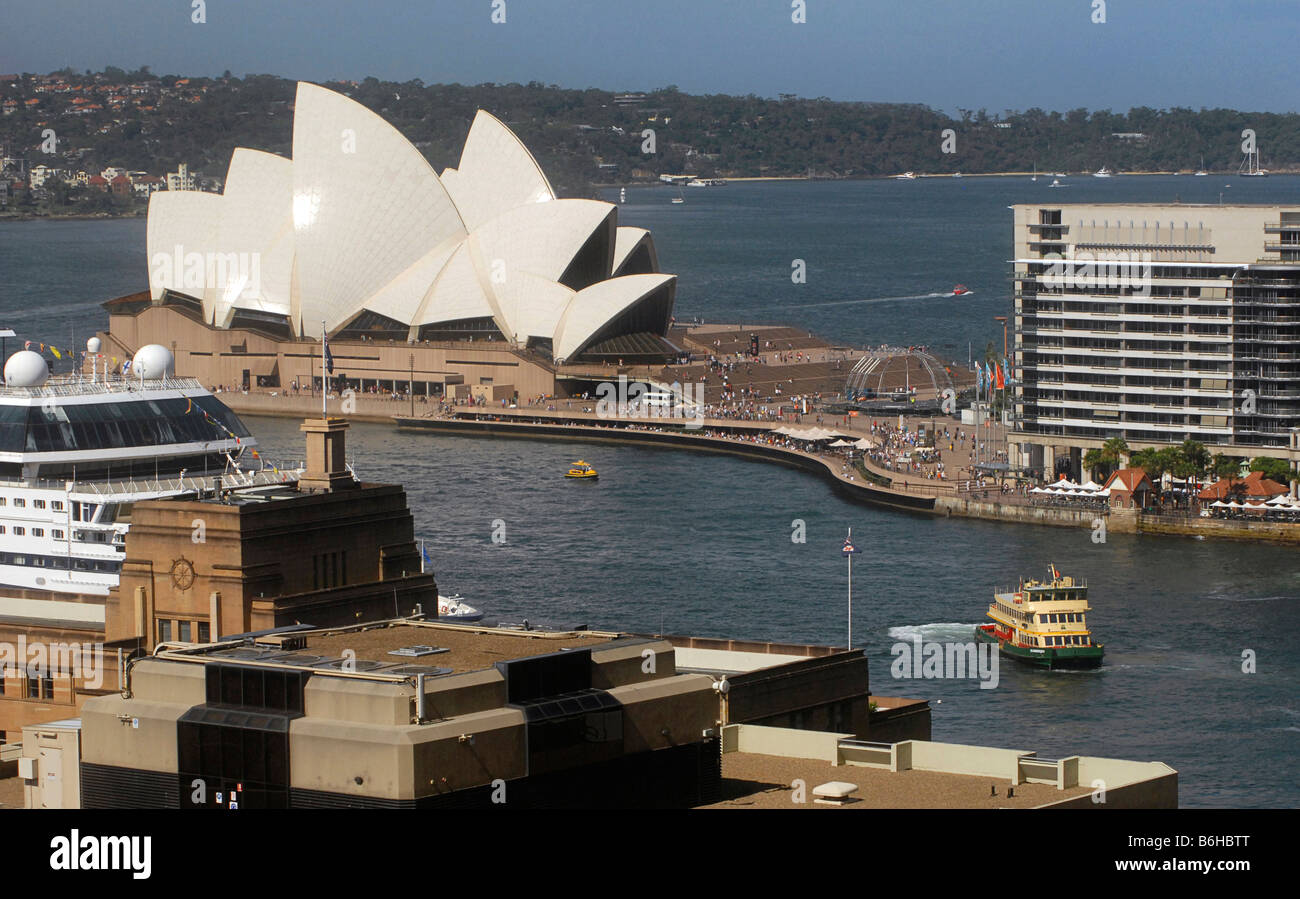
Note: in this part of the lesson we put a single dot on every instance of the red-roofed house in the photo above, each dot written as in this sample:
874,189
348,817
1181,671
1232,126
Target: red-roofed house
1252,486
97,182
1130,488
120,186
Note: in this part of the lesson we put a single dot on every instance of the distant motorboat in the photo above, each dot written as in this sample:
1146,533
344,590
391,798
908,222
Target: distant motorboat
1102,172
961,290
906,176
1059,175
1057,183
956,174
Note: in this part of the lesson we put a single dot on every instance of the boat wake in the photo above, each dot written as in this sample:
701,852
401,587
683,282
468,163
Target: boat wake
870,300
939,632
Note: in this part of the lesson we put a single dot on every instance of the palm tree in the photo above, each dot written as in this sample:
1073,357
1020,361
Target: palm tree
1196,456
1108,458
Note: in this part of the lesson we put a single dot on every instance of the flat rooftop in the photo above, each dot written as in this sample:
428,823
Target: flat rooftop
436,648
750,780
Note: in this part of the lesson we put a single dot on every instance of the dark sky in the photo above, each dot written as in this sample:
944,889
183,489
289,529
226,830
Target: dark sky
948,54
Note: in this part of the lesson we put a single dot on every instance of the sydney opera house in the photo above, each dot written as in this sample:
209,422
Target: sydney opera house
478,276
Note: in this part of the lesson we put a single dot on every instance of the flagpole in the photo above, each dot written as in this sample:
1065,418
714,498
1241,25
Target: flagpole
849,642
324,384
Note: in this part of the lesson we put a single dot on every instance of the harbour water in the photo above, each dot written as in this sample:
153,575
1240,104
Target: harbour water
691,543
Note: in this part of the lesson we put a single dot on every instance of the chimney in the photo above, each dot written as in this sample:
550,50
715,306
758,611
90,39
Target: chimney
326,467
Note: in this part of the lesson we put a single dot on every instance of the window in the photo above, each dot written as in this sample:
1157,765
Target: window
3,501
56,534
205,632
56,505
38,532
19,532
183,631
38,503
20,503
164,630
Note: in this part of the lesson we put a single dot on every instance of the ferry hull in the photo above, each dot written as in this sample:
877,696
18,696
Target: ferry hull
1052,659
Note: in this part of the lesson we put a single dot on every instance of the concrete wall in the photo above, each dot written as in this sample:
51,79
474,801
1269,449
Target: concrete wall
955,758
57,754
406,762
1127,784
783,741
1277,531
662,713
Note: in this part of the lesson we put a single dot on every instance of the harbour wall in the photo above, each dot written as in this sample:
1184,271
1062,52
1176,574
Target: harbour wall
938,501
855,490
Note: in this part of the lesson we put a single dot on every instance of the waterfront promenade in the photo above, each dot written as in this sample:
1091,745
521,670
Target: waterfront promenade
959,494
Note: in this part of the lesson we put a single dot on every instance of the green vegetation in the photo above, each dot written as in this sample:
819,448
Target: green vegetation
1274,469
1106,459
159,122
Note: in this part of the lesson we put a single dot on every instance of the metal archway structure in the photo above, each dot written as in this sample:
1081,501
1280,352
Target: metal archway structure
867,381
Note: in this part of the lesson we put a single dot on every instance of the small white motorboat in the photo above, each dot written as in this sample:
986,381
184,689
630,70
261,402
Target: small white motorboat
453,608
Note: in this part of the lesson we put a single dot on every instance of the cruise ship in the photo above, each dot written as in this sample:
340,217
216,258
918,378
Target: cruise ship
77,451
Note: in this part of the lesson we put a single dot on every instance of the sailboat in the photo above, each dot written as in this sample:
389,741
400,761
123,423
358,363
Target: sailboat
1201,172
679,198
1251,166
1035,178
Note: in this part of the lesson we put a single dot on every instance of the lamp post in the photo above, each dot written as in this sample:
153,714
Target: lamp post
848,551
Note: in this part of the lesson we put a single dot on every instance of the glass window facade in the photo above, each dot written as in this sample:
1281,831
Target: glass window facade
124,422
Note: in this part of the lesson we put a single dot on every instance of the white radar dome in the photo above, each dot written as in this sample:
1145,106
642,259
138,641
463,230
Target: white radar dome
152,362
26,369
93,345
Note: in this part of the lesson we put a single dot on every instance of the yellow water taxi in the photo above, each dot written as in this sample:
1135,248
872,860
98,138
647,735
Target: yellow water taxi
581,469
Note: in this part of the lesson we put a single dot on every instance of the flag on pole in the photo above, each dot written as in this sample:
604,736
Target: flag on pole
329,357
1001,381
979,378
848,549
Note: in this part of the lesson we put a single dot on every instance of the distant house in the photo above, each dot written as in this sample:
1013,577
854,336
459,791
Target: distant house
97,182
1130,488
144,184
120,186
1252,486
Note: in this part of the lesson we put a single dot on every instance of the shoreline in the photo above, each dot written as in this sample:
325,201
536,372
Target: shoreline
935,500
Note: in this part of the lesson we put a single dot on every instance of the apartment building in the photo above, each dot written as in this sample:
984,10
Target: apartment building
1155,323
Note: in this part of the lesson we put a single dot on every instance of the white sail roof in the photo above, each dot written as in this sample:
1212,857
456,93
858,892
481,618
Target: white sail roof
256,219
180,234
626,241
496,173
366,205
358,221
592,308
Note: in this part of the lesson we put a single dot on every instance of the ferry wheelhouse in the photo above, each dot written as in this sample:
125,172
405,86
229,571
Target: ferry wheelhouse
76,452
1043,623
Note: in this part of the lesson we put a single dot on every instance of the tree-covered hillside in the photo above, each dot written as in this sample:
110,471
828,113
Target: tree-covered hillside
140,121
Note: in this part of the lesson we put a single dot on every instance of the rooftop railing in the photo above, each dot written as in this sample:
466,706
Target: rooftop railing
82,386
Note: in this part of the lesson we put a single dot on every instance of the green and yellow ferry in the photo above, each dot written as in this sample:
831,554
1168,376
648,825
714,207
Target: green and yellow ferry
1042,623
